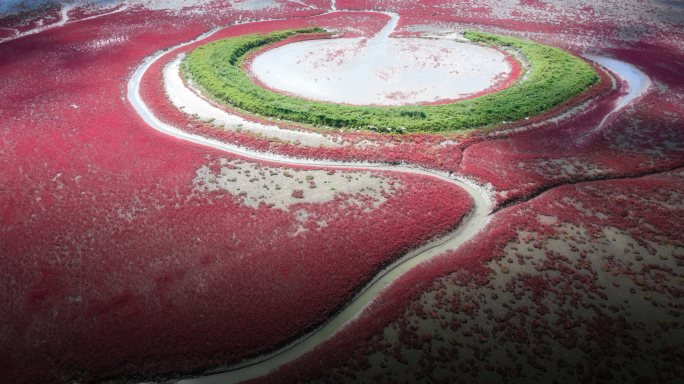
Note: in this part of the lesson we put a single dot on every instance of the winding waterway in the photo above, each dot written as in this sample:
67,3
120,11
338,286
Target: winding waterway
468,227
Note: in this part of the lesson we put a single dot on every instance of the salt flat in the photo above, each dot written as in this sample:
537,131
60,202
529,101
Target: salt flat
380,71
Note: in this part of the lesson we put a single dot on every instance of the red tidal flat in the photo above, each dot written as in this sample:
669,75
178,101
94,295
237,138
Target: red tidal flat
643,138
646,210
113,265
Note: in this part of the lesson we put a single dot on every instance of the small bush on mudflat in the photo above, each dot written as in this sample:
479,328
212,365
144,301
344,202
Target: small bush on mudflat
556,76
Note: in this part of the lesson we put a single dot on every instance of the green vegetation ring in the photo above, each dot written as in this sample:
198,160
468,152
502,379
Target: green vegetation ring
556,77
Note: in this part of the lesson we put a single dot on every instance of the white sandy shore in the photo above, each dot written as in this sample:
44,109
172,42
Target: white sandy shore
191,103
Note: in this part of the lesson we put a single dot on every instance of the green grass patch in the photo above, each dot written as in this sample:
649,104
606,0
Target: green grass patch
556,76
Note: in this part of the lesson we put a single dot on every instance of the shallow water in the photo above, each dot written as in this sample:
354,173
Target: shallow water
381,70
637,80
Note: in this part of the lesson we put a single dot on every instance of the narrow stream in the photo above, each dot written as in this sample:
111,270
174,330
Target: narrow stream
357,305
263,365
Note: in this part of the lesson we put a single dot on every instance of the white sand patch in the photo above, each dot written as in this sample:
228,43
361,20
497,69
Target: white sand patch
191,103
64,19
99,44
275,185
380,71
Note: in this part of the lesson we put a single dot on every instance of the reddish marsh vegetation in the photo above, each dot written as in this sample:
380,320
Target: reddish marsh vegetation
198,271
105,240
585,281
29,19
597,273
648,131
642,138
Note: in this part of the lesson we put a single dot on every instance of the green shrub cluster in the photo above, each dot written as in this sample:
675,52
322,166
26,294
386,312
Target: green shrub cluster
556,76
